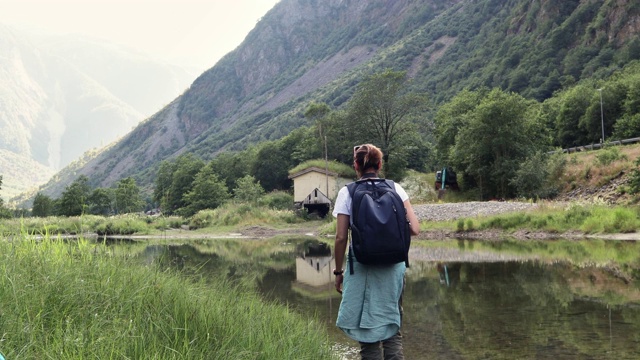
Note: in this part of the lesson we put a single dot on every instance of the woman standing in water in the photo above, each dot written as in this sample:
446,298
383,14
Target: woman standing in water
371,307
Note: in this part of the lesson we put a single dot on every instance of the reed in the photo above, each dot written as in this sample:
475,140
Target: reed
76,300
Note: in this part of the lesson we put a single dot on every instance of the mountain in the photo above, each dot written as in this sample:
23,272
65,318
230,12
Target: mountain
309,50
61,96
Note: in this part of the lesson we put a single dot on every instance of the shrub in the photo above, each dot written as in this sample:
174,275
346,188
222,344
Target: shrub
279,200
537,176
234,214
634,179
609,155
470,225
122,226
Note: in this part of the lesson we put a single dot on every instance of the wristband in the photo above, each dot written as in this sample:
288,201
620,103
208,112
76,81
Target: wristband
338,272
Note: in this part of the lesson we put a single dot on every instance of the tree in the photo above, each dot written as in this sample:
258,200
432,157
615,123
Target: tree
453,116
4,213
162,189
127,196
497,138
613,98
174,180
383,113
42,205
232,166
74,199
574,102
272,164
101,201
208,192
248,189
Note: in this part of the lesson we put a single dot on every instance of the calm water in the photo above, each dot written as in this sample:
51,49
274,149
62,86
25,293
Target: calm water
463,300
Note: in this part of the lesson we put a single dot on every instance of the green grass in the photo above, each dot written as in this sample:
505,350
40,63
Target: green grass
588,219
75,300
239,214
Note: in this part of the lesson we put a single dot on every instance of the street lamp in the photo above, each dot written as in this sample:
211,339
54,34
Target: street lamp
601,114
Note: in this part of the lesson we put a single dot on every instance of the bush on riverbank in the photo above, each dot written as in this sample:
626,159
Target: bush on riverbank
75,300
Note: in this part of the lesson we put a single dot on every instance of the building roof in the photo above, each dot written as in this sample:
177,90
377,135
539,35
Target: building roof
312,169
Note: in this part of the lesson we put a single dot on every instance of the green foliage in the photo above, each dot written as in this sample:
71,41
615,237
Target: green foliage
608,155
634,178
383,113
101,200
628,126
75,198
239,214
278,200
207,192
248,190
617,220
4,213
162,190
122,226
498,136
232,166
538,176
127,195
452,116
272,164
174,180
42,205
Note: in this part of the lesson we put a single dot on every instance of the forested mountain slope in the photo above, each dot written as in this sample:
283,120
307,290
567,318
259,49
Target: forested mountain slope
308,50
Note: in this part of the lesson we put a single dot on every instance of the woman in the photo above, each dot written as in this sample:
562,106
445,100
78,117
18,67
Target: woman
371,307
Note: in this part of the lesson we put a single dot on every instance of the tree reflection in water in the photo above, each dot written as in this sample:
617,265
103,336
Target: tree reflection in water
571,300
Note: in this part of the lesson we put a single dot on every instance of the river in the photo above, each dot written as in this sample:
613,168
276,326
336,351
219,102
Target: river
464,299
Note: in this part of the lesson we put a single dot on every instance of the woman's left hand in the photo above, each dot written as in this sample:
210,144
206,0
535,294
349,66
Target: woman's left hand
339,279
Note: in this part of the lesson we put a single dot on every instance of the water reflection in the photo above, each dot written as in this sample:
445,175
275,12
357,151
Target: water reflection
314,266
573,300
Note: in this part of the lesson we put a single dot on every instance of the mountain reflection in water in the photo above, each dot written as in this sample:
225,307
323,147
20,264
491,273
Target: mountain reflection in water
564,307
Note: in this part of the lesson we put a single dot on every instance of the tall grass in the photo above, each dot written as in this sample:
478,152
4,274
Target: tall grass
589,219
75,300
239,214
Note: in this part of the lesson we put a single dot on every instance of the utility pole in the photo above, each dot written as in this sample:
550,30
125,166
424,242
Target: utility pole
601,114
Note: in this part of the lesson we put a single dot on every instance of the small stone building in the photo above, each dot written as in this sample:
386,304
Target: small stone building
315,189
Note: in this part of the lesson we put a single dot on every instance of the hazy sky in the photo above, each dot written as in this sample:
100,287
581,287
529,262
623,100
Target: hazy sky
185,32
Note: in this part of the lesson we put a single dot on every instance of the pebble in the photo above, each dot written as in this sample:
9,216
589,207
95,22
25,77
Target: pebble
471,209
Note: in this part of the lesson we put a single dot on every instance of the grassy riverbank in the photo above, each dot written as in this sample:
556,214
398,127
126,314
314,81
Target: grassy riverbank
550,218
227,217
75,300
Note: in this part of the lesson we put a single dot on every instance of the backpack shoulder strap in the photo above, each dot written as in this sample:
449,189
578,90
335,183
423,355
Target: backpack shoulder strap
351,187
391,184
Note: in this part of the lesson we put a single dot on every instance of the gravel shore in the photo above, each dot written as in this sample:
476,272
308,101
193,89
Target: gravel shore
453,211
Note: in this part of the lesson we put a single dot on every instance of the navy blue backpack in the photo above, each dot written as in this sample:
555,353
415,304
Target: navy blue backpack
379,226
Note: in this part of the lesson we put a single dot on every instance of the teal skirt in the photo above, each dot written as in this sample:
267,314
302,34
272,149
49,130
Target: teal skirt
369,310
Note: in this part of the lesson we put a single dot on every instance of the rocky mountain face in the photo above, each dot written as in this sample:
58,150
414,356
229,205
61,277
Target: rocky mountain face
310,50
61,96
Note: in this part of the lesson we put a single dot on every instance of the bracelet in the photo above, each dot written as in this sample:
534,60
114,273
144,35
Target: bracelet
338,272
